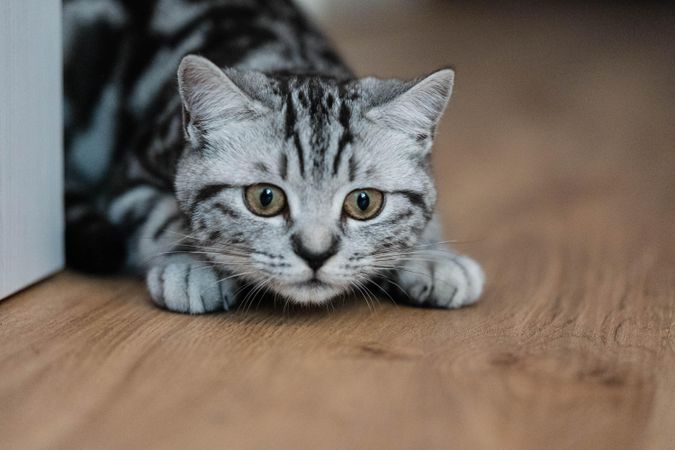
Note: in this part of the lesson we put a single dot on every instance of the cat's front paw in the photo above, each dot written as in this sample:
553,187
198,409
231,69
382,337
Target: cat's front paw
185,284
444,280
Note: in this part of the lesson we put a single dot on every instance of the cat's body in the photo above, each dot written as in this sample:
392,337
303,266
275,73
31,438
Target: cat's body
282,172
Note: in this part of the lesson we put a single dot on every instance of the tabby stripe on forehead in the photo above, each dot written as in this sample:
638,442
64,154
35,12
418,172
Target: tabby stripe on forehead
283,166
347,136
353,167
207,192
298,147
291,131
319,113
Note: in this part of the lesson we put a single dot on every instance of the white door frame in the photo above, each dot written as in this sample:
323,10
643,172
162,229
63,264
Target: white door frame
31,142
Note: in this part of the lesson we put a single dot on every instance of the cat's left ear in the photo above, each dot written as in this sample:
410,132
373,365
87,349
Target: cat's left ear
413,107
213,98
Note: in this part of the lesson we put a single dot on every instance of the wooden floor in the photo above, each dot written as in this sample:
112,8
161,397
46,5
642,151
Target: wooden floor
556,166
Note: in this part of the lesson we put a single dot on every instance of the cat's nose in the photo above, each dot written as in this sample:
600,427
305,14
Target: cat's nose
314,257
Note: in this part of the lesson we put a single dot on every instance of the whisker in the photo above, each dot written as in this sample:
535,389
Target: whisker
404,259
366,297
449,241
236,275
250,298
384,291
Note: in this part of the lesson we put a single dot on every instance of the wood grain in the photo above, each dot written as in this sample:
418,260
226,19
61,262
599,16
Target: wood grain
556,168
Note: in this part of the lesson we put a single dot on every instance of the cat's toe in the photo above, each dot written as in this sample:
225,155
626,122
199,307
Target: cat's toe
475,278
188,286
450,282
458,282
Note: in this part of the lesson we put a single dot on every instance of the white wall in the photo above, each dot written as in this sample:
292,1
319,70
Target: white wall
31,168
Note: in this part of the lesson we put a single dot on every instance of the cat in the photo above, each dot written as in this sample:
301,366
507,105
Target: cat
217,145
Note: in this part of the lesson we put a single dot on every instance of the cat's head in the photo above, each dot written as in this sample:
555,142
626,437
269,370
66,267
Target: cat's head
306,185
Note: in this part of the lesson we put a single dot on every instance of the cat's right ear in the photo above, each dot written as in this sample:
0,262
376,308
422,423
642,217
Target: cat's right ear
211,99
414,106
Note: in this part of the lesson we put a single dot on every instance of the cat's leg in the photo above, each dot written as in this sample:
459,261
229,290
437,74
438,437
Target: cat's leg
178,278
433,275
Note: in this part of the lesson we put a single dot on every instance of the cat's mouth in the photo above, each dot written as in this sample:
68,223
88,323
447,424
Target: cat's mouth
310,291
313,282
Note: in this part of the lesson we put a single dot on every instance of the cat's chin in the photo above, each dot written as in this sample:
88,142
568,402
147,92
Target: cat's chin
310,292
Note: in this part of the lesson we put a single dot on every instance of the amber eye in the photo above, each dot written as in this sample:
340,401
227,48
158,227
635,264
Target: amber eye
265,199
363,204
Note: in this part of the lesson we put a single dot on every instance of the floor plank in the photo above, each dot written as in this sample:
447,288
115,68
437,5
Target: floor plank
556,170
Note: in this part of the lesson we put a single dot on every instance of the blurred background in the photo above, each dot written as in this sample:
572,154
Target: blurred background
553,100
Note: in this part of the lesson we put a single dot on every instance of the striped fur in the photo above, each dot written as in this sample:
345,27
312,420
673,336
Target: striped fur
158,162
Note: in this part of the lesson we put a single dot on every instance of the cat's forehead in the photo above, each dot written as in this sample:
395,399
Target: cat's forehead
316,119
315,97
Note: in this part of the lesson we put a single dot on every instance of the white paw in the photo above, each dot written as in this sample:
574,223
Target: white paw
443,280
184,284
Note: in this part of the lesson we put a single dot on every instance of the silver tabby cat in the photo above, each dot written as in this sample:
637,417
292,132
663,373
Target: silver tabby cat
263,166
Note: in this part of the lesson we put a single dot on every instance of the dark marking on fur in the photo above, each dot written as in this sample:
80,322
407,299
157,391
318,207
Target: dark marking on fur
415,198
353,167
347,137
432,280
166,224
301,153
464,272
161,284
207,192
187,118
290,115
291,133
187,281
303,99
269,255
226,211
223,298
453,295
400,217
261,166
283,166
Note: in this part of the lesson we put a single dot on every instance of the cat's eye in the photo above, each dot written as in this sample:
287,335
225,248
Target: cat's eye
363,204
265,199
